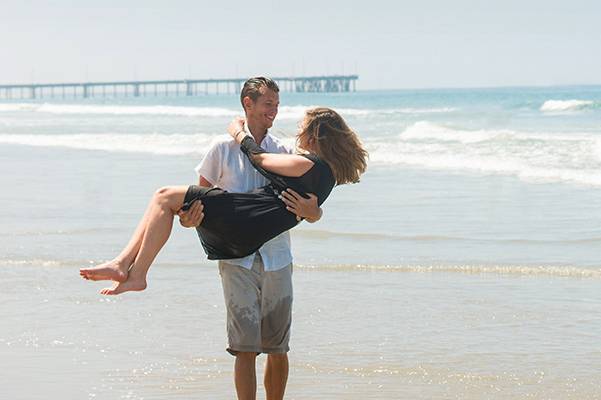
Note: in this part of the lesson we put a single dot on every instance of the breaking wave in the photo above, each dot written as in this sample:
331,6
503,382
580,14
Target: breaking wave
285,112
532,157
120,110
566,105
174,144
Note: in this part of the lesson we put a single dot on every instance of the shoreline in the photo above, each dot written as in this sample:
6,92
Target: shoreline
501,270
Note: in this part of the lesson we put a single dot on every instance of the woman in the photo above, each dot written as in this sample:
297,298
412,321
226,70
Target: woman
237,224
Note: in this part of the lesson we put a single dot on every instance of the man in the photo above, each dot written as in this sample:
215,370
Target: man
257,288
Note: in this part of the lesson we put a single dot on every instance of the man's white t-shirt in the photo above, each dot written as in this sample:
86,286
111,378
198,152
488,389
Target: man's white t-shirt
227,167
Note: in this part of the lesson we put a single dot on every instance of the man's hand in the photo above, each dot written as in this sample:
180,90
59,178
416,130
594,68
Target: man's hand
193,217
236,129
301,207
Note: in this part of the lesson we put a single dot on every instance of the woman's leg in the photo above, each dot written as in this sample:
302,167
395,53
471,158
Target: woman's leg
164,205
150,236
117,268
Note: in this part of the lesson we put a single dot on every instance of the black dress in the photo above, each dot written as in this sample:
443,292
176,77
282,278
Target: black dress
236,225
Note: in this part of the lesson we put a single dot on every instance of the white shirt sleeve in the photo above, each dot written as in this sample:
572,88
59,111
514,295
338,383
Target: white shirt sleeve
286,149
211,165
281,146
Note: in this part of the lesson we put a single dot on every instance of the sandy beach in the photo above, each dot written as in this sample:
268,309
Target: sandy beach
423,336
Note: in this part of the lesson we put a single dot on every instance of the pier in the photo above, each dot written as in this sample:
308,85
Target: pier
184,87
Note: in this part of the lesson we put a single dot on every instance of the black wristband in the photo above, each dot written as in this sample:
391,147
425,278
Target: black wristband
248,145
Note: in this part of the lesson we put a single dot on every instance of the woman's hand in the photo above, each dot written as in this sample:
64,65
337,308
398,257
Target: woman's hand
301,207
193,217
236,129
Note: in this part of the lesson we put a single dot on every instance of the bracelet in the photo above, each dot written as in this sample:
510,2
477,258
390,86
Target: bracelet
237,133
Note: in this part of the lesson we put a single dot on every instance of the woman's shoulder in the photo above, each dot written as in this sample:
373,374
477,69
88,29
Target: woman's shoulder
313,158
318,162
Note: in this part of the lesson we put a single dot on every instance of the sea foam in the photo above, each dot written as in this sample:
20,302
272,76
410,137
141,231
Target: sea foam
175,144
471,269
565,105
120,110
151,143
285,112
529,156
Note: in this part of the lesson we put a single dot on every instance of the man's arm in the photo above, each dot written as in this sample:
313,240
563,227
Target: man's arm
303,208
203,182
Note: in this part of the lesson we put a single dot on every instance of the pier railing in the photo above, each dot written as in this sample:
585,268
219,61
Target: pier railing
183,87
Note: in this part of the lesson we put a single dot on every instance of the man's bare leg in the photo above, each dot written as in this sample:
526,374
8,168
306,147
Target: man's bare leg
245,376
276,376
164,205
117,268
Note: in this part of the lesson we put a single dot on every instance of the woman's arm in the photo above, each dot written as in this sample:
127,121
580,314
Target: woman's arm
283,165
291,165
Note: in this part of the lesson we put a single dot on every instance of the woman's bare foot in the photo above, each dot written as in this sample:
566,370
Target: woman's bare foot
109,271
132,284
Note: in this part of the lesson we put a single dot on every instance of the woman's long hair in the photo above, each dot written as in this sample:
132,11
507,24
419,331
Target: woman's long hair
326,134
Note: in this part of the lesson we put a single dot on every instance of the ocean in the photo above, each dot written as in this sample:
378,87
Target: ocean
464,265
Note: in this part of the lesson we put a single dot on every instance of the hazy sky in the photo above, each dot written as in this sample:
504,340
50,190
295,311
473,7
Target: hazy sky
390,44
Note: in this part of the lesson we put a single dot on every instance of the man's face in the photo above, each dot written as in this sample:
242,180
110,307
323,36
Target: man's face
263,111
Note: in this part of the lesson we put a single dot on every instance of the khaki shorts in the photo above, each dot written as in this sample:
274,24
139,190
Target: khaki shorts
259,307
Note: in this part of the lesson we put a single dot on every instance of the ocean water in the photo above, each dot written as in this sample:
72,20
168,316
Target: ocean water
465,264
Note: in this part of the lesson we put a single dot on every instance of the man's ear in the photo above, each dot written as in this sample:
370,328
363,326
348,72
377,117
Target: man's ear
247,102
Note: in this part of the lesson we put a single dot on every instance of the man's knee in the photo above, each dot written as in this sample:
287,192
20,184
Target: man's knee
246,356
